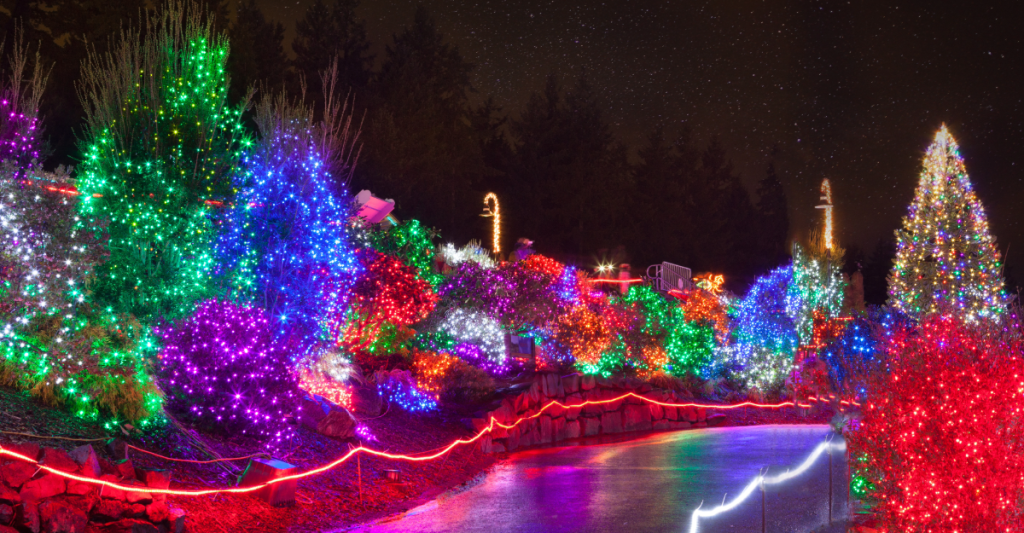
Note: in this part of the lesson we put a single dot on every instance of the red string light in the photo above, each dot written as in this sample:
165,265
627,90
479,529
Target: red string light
397,457
544,264
940,440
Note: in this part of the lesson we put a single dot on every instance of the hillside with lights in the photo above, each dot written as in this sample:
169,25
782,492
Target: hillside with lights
202,323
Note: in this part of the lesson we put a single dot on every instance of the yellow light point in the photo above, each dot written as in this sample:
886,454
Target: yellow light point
496,213
826,197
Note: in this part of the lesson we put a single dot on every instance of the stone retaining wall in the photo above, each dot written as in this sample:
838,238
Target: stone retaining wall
33,500
558,424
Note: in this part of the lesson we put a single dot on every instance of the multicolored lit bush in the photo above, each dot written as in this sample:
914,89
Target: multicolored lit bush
223,367
410,242
450,379
53,341
399,387
939,446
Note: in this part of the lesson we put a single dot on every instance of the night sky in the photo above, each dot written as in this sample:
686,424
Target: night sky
851,91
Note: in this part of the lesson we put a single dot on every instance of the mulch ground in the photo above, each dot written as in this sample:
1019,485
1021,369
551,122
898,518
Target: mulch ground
326,501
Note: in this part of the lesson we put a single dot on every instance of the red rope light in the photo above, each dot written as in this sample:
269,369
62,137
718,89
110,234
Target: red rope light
397,457
610,280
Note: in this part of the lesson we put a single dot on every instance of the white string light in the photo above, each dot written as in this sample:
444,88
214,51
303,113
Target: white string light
761,478
826,196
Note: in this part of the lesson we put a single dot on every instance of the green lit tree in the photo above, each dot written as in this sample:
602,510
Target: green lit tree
946,259
160,142
817,287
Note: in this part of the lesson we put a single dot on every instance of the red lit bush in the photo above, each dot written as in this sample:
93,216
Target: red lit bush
387,293
942,437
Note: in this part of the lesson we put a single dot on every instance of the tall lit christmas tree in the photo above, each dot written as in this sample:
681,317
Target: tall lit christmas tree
946,259
159,146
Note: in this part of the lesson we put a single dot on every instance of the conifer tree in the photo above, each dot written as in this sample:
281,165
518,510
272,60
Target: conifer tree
159,144
946,259
257,53
331,31
774,217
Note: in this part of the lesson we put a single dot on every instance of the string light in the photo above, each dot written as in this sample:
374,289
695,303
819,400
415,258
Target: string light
704,306
761,481
431,369
826,197
222,366
495,213
940,437
586,336
281,244
18,129
477,328
492,424
317,384
53,341
711,283
945,255
545,264
406,395
817,285
471,252
388,293
411,242
764,336
140,190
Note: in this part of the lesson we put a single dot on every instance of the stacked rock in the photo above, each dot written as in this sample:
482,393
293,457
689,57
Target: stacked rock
37,501
556,424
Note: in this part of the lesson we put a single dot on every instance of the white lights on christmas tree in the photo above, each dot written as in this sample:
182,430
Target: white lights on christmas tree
496,214
946,258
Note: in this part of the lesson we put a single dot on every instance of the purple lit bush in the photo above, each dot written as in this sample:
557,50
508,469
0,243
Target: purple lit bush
222,368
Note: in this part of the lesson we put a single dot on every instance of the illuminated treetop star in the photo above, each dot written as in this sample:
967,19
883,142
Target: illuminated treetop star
946,259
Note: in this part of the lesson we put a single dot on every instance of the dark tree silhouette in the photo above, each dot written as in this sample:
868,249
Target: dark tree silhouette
422,148
723,218
257,58
773,211
660,226
331,30
571,177
876,287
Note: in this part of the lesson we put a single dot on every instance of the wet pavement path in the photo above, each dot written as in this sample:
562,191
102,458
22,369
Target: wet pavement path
648,485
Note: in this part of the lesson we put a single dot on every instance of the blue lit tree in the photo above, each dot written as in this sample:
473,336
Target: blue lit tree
764,334
286,246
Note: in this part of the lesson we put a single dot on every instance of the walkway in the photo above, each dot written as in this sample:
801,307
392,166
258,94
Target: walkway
650,485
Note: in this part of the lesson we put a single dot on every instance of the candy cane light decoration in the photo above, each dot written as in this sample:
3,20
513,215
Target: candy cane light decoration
496,214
